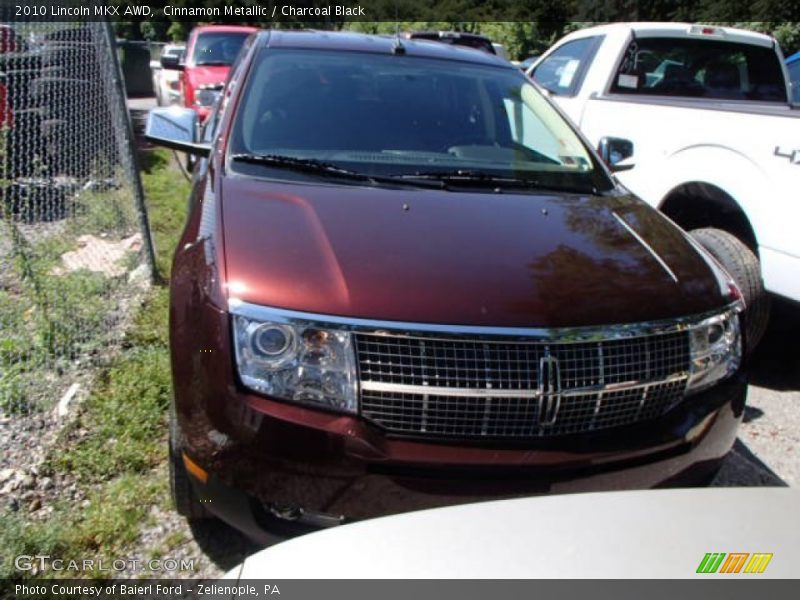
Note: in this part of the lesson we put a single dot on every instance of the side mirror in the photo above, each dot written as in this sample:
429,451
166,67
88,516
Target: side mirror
172,62
614,151
176,128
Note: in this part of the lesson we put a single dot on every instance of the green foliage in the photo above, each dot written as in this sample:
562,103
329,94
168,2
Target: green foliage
788,36
13,399
20,537
126,415
151,323
154,30
48,314
115,515
106,212
787,33
167,200
111,521
178,31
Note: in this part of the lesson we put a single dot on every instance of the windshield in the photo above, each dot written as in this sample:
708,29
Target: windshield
390,115
218,48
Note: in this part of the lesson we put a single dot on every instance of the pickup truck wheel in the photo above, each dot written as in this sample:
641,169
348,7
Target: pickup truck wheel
743,266
183,497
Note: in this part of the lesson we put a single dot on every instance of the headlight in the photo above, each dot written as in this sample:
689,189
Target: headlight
716,350
207,97
297,362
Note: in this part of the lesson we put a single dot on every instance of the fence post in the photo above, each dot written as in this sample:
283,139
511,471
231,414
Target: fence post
133,162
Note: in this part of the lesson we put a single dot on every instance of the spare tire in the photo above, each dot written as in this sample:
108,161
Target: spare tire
743,266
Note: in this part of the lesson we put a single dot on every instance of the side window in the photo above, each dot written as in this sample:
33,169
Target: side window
794,75
699,68
562,72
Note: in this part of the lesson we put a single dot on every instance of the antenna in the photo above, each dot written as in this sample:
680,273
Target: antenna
398,47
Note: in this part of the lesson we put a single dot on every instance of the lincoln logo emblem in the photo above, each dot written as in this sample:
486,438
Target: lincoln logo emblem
549,390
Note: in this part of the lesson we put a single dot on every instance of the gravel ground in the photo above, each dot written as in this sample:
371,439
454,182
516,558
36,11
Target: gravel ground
768,449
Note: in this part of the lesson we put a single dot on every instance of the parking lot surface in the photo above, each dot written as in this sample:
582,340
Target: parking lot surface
768,449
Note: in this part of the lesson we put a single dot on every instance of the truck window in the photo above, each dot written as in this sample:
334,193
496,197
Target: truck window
218,48
561,73
686,67
794,76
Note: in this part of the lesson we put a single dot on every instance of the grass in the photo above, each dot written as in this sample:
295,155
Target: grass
116,447
124,414
66,314
101,530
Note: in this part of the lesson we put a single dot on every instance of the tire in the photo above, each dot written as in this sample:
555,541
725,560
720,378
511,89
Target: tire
743,266
183,497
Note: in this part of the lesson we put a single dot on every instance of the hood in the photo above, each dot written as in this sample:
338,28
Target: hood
493,259
207,75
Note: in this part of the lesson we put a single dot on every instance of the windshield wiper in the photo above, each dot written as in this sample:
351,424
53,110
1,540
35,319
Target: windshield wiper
481,178
213,63
318,167
470,177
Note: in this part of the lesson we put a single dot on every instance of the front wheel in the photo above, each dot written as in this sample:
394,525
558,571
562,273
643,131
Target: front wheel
742,265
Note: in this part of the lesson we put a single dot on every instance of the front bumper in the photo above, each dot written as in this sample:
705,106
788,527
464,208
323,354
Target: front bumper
264,456
323,477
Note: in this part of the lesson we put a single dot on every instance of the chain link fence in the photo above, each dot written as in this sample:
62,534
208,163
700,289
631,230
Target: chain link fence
75,253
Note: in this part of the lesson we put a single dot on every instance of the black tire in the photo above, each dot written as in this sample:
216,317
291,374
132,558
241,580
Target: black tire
744,268
183,497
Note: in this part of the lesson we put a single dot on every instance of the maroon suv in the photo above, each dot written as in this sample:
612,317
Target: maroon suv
407,281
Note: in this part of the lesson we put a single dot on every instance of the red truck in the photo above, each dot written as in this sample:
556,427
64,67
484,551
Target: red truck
209,54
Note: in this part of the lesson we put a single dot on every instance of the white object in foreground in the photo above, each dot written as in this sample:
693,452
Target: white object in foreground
639,534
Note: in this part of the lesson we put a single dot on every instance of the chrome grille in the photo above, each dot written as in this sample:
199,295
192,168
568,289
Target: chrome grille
451,387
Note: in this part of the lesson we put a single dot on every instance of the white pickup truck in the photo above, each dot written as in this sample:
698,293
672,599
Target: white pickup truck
697,121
